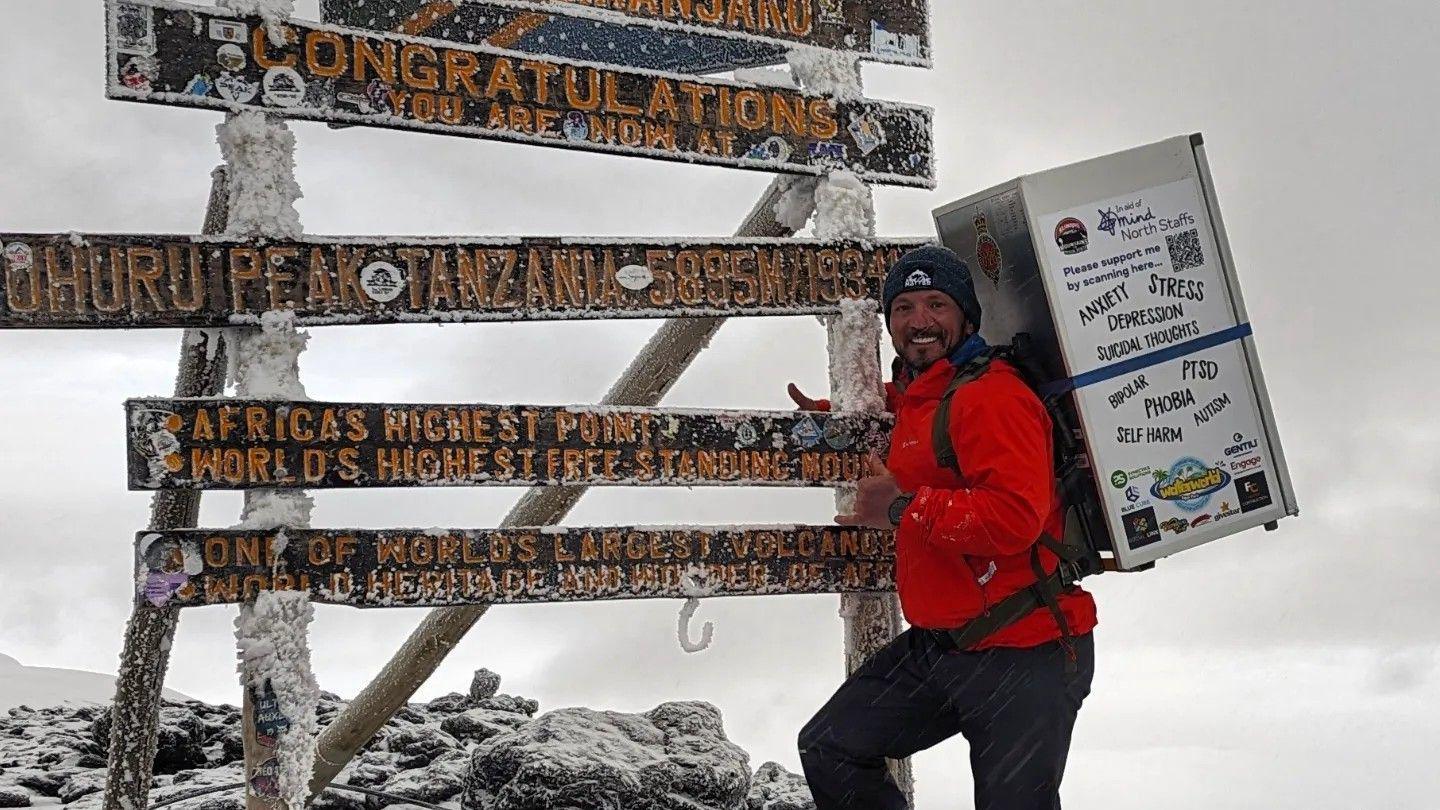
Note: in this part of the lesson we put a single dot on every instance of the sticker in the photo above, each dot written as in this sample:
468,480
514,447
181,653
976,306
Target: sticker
746,435
136,73
831,11
919,278
200,85
1119,479
836,436
773,148
987,250
265,779
575,127
989,573
1200,521
230,57
1071,236
1225,511
1132,493
806,432
378,94
1140,528
867,132
236,88
19,255
634,277
283,87
168,569
229,31
1176,525
382,281
134,29
887,44
828,150
270,721
1254,492
1189,483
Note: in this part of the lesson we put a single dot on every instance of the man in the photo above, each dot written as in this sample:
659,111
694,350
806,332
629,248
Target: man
967,538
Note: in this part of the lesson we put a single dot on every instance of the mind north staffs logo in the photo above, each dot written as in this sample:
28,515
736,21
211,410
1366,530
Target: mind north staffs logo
1189,483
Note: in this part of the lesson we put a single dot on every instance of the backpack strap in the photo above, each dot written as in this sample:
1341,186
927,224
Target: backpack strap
940,427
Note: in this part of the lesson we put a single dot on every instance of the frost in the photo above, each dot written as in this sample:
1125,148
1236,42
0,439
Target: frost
261,157
267,360
856,384
275,12
796,203
270,635
275,509
844,208
766,77
693,590
831,73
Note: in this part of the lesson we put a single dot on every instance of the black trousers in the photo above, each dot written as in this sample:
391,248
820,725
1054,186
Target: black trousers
1016,707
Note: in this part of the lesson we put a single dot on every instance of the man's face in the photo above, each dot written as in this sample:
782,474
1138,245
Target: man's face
926,326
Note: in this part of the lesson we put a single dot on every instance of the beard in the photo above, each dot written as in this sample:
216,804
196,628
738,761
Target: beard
920,354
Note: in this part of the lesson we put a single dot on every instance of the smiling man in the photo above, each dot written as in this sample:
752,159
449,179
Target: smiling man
999,647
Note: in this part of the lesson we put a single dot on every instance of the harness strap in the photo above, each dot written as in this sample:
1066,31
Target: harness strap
940,426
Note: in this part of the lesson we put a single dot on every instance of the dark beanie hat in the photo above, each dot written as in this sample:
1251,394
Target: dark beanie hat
933,268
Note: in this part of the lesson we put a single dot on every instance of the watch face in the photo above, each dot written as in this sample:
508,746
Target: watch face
898,507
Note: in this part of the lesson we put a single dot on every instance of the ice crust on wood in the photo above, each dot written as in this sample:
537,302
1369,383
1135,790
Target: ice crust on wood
271,635
263,191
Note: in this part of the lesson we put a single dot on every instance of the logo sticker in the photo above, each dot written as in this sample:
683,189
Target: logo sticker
168,569
236,88
283,87
382,281
200,85
1189,483
19,255
270,721
575,127
134,29
229,31
828,151
1132,494
136,73
1254,492
806,433
987,250
866,132
1140,528
1119,479
837,436
265,779
230,57
1071,236
635,277
746,435
773,149
919,278
887,44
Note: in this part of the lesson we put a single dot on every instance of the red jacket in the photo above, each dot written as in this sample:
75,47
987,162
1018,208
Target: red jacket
964,543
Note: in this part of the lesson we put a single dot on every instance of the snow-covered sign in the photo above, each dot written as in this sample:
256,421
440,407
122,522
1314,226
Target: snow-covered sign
170,53
74,281
243,444
692,37
436,567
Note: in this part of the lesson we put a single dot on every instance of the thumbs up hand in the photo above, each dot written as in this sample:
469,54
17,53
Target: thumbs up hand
803,402
875,493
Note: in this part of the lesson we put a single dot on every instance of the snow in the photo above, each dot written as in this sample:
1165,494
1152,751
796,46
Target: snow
271,636
768,77
796,203
22,685
267,360
831,73
694,576
275,12
844,208
263,191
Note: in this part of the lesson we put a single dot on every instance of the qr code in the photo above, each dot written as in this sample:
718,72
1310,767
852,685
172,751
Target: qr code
1185,250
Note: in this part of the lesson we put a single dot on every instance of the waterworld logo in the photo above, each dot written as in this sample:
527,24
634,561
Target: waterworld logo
1189,483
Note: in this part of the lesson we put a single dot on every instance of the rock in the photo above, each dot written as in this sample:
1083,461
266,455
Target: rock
449,704
374,768
435,784
232,745
484,685
181,741
774,788
419,745
510,703
46,782
82,784
478,725
13,797
674,757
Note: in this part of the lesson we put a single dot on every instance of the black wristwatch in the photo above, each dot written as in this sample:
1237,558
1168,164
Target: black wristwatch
898,507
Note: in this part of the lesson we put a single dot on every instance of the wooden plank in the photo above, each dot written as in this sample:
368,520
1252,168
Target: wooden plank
444,567
150,280
686,37
249,444
170,53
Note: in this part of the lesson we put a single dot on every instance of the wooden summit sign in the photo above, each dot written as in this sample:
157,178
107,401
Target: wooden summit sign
437,567
657,33
74,281
170,53
241,444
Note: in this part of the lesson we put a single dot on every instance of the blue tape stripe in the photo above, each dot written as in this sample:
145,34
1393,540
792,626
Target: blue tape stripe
1141,361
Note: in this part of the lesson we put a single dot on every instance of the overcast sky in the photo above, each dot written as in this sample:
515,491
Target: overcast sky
1293,668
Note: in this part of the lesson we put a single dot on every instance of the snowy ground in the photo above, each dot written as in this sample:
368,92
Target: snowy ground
51,686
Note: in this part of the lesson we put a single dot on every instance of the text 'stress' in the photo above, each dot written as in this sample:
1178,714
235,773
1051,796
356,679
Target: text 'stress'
169,53
433,567
689,35
240,444
1141,274
68,280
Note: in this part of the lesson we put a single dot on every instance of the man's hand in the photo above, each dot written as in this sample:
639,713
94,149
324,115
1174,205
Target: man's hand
802,402
872,503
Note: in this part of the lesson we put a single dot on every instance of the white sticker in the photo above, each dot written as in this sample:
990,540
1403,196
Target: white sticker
19,255
885,43
228,31
134,29
634,277
382,281
231,57
867,132
236,88
283,87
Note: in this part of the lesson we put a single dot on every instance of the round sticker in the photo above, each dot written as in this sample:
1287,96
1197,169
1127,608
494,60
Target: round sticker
235,88
382,281
230,57
283,87
20,255
634,277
